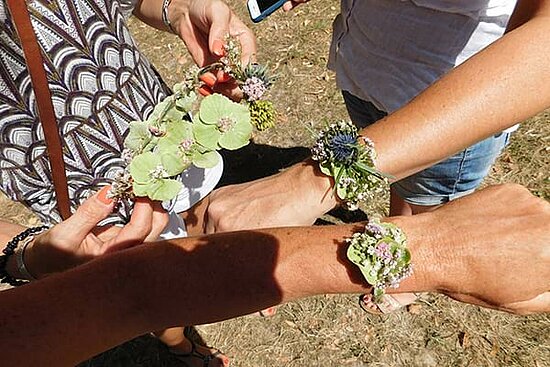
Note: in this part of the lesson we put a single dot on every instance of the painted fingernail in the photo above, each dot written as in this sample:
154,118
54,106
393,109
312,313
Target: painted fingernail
217,48
208,78
224,77
205,90
102,195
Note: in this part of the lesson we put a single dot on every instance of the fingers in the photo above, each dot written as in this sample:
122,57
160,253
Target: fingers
159,222
220,18
246,38
196,43
144,223
288,6
86,217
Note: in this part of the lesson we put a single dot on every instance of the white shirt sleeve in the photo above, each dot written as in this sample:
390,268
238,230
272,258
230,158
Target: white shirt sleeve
127,7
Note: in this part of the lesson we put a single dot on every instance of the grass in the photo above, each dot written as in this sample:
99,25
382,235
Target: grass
332,330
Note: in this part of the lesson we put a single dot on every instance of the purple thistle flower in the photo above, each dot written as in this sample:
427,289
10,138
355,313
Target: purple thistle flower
343,147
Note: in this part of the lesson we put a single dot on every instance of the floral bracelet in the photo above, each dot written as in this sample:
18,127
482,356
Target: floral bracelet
349,158
381,254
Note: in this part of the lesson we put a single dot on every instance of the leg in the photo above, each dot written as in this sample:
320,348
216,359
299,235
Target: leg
188,352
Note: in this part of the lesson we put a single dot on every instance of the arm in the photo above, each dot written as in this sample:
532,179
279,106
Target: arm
202,25
78,239
497,88
152,287
504,84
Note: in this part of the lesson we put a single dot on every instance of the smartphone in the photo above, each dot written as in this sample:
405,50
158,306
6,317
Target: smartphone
260,9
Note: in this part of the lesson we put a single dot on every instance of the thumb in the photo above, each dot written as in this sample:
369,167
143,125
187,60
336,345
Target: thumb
86,217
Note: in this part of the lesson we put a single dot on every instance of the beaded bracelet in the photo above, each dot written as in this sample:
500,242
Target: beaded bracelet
10,250
341,155
381,254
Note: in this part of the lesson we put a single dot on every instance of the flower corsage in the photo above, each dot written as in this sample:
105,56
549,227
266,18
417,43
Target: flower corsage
349,158
381,254
185,130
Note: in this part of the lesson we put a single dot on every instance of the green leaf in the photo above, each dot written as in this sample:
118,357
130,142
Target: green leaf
341,191
185,103
206,135
138,136
406,256
371,279
206,160
354,256
237,137
165,189
161,109
173,162
140,190
176,133
142,165
325,169
217,106
213,107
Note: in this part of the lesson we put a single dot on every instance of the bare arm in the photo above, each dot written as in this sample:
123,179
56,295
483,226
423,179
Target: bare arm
201,24
105,302
502,85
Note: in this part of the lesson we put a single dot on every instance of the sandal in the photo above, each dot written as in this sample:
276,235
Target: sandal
388,305
205,358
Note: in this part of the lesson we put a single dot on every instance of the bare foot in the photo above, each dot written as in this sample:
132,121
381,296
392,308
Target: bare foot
268,312
389,304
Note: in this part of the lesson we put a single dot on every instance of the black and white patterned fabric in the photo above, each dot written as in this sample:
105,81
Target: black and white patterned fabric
99,83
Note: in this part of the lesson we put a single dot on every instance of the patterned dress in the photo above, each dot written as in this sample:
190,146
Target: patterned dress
99,82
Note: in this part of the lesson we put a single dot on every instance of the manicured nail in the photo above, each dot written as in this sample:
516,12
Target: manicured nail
102,195
208,79
223,77
218,49
205,90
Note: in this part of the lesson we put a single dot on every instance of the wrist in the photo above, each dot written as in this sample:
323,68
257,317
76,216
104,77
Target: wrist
167,16
429,256
317,187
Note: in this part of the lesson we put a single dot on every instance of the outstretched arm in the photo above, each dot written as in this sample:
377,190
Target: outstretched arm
497,88
105,302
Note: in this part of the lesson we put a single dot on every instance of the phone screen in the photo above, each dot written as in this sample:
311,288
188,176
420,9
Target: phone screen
265,4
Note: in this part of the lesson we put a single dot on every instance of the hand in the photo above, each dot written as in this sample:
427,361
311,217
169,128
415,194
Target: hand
78,239
289,5
295,197
496,249
203,26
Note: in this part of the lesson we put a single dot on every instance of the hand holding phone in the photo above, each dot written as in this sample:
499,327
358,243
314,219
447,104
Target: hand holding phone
260,9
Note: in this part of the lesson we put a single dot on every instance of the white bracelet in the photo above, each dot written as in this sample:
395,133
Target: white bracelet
165,19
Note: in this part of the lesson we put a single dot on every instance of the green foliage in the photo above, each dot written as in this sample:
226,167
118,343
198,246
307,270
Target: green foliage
168,143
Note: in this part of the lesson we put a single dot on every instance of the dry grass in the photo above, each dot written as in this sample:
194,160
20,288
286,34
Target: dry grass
332,330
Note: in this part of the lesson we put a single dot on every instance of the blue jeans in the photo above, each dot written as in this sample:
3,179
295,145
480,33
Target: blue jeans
447,180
